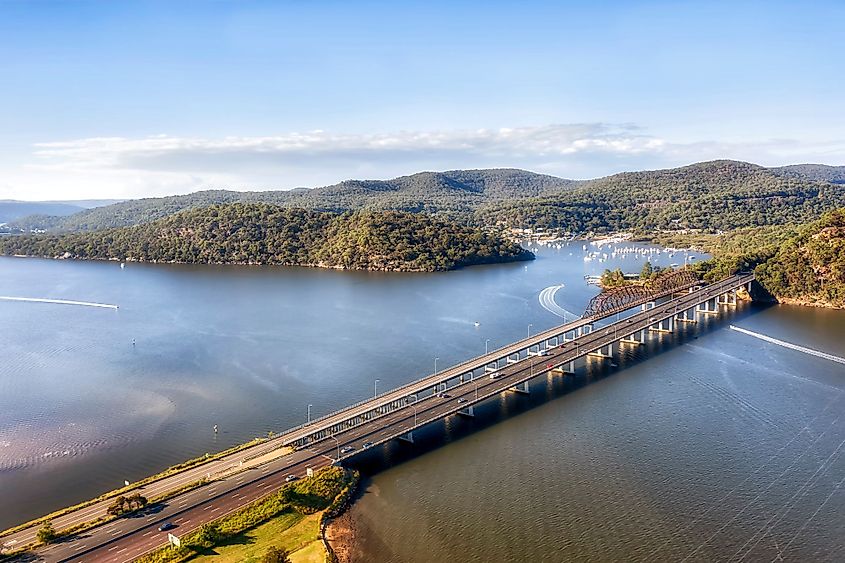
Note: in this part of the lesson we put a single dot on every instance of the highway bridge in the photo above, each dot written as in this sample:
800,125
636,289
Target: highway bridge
398,413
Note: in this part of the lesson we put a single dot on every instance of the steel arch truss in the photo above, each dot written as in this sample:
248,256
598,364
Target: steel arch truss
627,296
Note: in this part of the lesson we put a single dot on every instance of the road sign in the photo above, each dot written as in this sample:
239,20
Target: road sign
174,540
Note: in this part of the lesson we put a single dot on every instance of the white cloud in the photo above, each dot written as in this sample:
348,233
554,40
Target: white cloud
162,164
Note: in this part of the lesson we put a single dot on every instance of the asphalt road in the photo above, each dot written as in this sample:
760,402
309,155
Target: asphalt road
128,538
150,490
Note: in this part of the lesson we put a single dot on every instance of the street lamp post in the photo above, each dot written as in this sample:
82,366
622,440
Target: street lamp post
413,406
529,330
309,413
338,445
375,388
486,344
435,365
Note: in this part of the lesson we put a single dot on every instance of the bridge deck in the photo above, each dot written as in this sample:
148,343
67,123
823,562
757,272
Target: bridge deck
511,373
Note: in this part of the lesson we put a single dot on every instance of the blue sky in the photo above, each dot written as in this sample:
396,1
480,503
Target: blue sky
127,99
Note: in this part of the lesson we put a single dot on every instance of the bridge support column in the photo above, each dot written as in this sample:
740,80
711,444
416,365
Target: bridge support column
728,298
513,358
666,325
647,306
469,411
564,369
408,437
600,353
521,388
710,307
635,338
687,316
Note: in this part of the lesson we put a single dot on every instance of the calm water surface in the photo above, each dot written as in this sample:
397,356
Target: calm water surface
702,448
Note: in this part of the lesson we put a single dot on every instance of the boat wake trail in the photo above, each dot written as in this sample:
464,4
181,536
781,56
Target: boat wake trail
547,301
58,301
789,345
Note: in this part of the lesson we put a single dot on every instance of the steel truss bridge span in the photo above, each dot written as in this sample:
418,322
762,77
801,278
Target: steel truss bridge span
623,298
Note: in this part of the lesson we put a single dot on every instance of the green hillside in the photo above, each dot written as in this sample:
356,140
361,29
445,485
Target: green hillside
254,233
809,267
455,194
718,195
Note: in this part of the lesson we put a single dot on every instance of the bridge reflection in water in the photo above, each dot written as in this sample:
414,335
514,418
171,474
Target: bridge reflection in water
555,353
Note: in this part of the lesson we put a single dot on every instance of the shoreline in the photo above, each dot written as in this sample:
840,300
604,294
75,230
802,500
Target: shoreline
526,256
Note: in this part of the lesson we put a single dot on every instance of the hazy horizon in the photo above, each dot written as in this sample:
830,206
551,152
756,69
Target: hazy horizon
97,201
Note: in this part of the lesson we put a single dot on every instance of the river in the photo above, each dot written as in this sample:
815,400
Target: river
687,452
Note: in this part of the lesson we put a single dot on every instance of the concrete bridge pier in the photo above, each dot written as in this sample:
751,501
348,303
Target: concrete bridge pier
600,352
666,325
635,338
408,436
710,307
512,358
567,368
468,412
521,388
687,316
647,306
728,298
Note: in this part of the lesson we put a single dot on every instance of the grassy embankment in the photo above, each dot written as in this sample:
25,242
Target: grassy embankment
289,519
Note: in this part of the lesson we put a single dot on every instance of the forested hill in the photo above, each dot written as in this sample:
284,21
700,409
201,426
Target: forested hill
718,195
809,267
455,194
813,172
255,233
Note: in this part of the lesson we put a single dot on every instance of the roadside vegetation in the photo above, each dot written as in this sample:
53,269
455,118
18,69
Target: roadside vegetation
292,504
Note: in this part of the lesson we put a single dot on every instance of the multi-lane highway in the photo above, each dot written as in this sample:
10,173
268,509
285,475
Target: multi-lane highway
128,538
151,490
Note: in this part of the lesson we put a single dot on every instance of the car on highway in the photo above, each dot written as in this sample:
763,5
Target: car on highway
462,400
290,478
445,396
544,352
346,449
166,526
495,375
367,445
